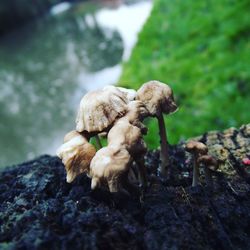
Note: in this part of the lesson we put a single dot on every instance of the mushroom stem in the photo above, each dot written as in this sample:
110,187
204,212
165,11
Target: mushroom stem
164,146
208,176
195,172
113,185
128,186
98,142
142,172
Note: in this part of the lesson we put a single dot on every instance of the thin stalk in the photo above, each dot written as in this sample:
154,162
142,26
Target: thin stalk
113,185
195,172
98,142
164,146
142,172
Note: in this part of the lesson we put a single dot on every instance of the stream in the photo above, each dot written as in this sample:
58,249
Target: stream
47,66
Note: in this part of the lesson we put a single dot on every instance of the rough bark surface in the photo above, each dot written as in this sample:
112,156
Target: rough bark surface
39,210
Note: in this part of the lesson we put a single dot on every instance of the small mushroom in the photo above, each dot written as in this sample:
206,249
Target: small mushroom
127,132
123,134
209,163
110,166
197,149
76,154
158,99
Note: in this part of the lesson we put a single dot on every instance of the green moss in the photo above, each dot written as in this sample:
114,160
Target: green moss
201,49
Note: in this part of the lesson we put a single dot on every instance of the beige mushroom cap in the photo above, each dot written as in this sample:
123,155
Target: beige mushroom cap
158,97
208,161
196,147
130,93
137,110
99,109
127,135
76,154
108,167
70,135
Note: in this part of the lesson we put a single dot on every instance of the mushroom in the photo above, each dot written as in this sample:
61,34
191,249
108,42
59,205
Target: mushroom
136,112
197,149
123,134
158,99
76,154
99,109
110,166
209,163
127,132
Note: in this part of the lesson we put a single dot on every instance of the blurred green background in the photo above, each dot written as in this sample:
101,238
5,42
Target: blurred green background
53,52
202,50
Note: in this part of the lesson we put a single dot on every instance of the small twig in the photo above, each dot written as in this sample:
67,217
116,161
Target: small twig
231,187
186,197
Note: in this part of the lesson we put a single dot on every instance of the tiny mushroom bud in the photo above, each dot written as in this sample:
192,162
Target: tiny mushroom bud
76,154
209,163
109,166
196,149
158,99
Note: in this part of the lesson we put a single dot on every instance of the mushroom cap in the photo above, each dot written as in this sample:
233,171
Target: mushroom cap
70,135
76,154
208,161
196,147
130,93
127,135
137,110
158,97
108,166
99,109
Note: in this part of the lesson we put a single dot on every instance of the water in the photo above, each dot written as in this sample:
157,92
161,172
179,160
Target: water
47,67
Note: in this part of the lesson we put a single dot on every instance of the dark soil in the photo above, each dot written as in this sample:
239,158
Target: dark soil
39,210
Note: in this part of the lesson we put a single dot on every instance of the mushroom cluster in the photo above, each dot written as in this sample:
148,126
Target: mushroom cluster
119,113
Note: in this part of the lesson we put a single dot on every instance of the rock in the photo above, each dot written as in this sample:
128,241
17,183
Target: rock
39,210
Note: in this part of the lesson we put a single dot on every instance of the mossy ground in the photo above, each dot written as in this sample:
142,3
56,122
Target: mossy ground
200,48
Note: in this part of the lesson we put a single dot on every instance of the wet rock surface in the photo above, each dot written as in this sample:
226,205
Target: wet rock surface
39,210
